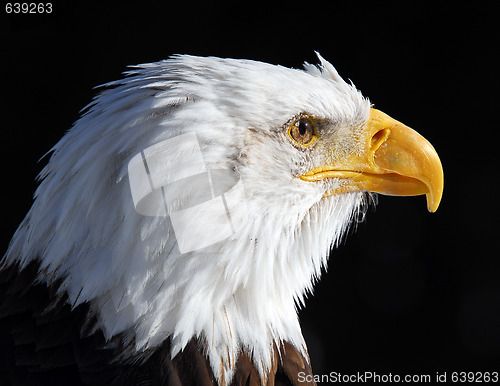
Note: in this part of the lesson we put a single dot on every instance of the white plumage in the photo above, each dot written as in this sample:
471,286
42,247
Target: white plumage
239,294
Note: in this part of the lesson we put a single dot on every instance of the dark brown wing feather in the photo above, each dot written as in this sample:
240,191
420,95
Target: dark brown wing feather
44,342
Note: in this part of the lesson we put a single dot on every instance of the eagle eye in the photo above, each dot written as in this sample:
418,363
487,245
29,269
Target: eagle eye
303,131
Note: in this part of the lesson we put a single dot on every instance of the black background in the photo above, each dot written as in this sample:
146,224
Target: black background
408,292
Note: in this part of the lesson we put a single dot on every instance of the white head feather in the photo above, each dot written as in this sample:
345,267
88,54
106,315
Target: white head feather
238,294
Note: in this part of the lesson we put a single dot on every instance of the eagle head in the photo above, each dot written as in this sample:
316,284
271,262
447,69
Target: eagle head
200,198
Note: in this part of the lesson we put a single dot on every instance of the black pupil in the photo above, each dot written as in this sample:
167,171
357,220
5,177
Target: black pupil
303,127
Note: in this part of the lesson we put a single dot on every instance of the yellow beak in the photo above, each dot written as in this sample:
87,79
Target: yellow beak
395,161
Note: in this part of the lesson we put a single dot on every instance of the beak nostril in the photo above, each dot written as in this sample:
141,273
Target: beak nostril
379,138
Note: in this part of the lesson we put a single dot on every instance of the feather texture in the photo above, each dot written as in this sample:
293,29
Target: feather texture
239,295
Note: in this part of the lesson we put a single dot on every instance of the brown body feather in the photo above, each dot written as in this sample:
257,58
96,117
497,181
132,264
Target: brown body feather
44,342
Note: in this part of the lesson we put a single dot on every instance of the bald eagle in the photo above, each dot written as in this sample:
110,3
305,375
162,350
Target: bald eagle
180,222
